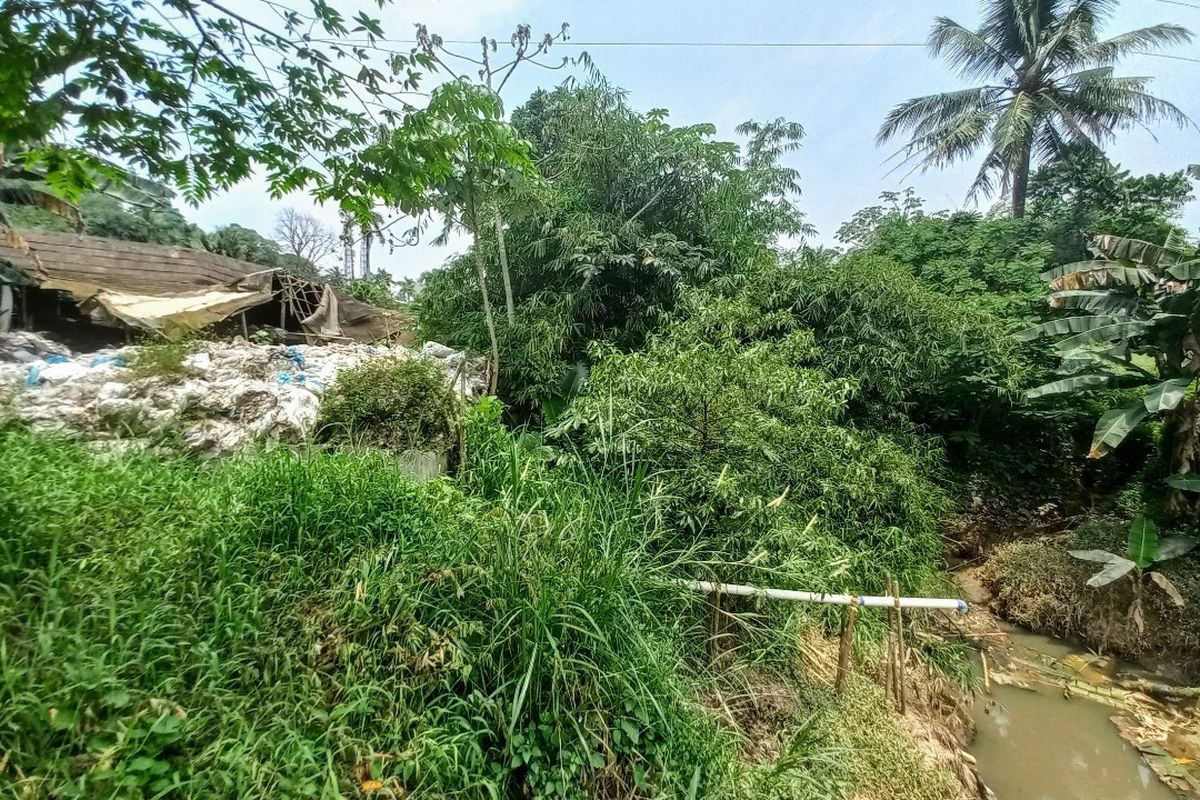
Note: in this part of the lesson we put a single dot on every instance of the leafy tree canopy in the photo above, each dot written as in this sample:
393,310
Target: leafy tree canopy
196,93
632,211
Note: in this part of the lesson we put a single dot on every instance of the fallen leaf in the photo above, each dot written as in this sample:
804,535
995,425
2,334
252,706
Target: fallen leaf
370,787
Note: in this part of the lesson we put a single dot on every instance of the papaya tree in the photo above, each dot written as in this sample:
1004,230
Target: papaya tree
1135,320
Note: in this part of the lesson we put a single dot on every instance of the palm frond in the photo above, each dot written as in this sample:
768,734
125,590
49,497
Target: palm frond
935,109
1153,37
968,52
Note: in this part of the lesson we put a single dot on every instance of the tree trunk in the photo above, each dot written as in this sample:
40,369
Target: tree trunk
1020,182
1181,434
481,273
503,253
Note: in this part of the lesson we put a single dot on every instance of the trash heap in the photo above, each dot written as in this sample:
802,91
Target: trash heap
228,395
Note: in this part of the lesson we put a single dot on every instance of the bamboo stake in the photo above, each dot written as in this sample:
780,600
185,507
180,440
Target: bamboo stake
714,627
901,652
987,674
847,644
890,645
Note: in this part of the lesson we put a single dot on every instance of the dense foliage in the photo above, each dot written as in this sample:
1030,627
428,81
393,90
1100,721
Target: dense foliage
395,404
637,211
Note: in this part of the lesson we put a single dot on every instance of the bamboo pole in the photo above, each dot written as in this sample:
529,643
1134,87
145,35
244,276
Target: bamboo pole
901,651
847,644
889,645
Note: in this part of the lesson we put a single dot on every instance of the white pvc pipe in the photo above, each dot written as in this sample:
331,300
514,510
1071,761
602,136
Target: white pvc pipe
948,604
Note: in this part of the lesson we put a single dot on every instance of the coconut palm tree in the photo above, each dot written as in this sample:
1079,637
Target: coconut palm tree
1051,83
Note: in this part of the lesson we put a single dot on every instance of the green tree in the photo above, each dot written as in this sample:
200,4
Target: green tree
637,210
1083,194
1052,85
194,93
495,71
450,158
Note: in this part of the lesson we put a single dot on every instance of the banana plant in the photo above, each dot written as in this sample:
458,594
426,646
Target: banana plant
1144,550
1136,304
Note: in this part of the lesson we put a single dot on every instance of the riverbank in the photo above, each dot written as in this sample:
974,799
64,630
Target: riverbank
1066,722
1036,584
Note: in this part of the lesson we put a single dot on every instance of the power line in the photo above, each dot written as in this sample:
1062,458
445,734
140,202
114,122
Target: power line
1164,55
1177,3
722,45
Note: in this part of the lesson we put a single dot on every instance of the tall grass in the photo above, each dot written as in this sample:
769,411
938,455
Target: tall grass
315,625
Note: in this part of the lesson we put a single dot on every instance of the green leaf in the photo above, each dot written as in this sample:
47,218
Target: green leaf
1091,265
1187,271
1174,546
597,760
1083,382
1143,253
1105,333
631,730
1185,482
1115,565
1143,541
1113,427
1168,587
1057,327
63,719
1166,395
1098,301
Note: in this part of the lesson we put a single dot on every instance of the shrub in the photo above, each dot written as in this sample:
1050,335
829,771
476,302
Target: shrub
394,403
160,360
751,444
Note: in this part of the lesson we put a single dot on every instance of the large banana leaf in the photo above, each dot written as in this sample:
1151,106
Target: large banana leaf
1117,248
1110,357
1078,383
1101,301
1143,542
1187,271
1057,327
1104,276
1078,266
1166,395
1114,565
1185,482
1105,333
1113,427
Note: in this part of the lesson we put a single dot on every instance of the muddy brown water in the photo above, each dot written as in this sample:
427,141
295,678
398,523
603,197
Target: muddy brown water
1035,744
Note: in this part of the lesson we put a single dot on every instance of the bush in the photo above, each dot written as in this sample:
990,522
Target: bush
764,474
393,403
160,360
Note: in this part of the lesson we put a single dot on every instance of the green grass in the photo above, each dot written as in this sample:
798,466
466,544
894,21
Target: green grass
314,624
294,625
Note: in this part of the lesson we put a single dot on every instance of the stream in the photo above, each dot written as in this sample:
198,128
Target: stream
1037,743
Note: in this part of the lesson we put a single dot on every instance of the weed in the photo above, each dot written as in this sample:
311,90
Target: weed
393,403
160,360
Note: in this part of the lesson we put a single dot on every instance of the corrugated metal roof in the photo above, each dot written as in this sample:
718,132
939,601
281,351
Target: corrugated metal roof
120,265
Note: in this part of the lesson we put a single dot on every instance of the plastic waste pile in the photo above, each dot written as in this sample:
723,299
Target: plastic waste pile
227,395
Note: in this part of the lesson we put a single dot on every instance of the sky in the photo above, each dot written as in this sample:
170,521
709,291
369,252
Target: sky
839,95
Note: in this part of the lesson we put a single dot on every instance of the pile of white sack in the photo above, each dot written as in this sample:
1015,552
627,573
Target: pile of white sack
231,393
